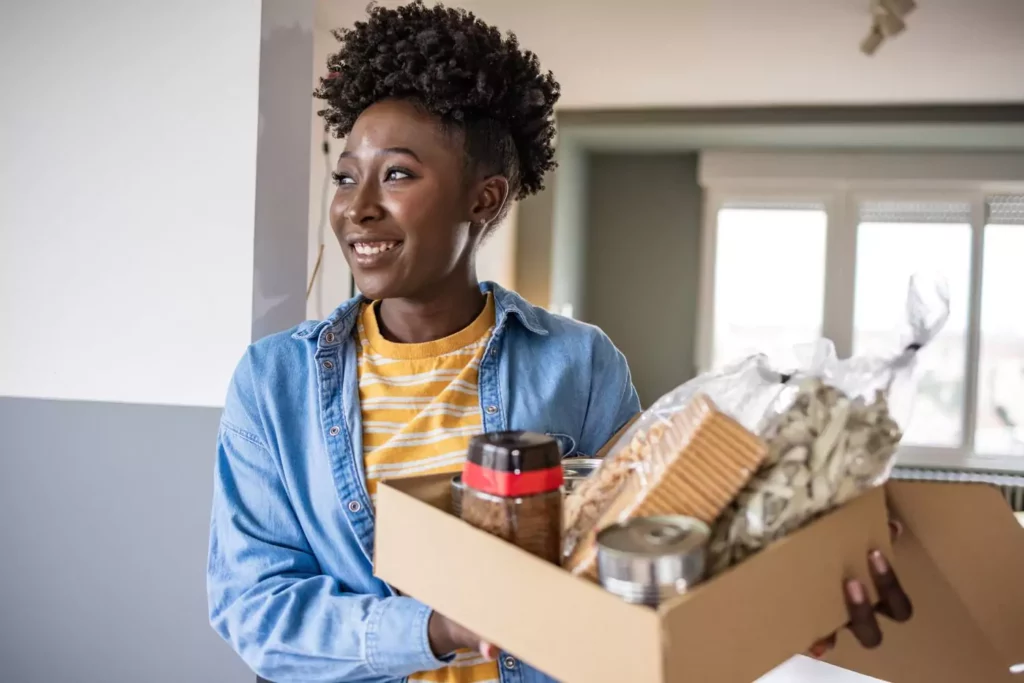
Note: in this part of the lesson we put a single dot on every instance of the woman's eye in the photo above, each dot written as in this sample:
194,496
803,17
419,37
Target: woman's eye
342,179
397,174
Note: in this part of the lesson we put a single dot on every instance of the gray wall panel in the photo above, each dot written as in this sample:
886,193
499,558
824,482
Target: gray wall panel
643,263
104,521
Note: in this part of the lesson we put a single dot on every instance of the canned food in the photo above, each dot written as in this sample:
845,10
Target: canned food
576,470
648,560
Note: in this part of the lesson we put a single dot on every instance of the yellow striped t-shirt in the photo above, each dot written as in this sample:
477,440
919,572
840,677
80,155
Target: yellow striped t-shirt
420,406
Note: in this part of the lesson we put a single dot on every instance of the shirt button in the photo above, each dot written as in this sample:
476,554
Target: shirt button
354,506
491,410
335,430
509,662
329,338
328,365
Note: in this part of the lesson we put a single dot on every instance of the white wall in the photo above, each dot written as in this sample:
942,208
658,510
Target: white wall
332,281
127,171
569,243
609,53
496,260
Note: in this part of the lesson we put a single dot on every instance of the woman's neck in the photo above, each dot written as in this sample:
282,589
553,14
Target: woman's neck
447,311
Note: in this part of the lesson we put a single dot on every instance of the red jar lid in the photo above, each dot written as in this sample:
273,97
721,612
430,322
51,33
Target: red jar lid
513,464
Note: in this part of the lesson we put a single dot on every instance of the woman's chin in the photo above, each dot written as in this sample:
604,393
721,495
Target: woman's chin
377,286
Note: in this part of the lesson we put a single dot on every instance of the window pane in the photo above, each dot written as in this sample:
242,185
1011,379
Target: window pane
1001,365
769,280
888,254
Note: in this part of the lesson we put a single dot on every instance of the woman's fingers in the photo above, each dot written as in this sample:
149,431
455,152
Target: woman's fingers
863,623
893,601
895,528
819,649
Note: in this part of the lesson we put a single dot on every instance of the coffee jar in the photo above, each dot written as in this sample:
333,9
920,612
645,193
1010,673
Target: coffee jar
513,489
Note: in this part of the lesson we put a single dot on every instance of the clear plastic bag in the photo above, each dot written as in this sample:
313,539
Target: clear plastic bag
829,429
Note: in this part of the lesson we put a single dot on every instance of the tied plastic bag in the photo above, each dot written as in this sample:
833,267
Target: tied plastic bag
832,434
828,425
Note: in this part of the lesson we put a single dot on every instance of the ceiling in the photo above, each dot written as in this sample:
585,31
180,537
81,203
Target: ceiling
887,137
698,53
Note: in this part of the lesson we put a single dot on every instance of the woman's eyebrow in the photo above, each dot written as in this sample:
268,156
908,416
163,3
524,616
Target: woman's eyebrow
387,150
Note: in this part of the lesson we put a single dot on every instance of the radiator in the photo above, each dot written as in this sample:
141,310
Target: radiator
1012,485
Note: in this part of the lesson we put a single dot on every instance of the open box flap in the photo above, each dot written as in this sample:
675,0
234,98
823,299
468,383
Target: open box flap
961,561
567,625
776,603
970,533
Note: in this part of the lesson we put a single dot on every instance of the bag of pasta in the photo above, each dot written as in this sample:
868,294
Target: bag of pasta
757,449
832,434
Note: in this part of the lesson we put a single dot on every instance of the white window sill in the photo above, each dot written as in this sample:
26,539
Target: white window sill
953,458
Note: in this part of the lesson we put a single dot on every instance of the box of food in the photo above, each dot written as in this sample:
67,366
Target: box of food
960,560
714,540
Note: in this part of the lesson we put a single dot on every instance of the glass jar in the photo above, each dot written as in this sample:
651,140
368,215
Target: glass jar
513,489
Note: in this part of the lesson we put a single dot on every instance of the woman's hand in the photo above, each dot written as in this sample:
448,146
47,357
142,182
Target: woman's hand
446,637
892,602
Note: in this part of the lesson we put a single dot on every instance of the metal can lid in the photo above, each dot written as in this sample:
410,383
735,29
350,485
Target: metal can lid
580,468
655,536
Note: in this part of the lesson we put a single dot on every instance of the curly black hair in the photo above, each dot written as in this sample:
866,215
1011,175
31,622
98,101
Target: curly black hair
465,72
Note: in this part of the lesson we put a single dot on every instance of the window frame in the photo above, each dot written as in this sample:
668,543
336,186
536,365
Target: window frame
837,182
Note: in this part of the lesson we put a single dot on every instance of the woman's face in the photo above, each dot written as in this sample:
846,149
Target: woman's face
407,220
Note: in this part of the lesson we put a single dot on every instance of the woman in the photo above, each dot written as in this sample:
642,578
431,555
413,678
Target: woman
446,123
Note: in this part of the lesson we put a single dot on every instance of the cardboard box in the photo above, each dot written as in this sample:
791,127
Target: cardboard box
961,560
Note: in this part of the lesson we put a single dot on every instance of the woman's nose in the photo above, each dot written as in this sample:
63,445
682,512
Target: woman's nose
365,205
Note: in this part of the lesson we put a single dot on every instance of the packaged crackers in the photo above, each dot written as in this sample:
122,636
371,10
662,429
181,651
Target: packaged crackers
691,461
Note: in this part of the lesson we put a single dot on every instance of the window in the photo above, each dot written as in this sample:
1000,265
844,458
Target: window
895,240
837,263
1000,421
761,303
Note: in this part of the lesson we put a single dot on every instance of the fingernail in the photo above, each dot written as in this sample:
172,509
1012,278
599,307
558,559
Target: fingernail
855,589
879,562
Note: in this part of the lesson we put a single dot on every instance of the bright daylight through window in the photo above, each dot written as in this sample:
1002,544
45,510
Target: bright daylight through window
1000,428
754,244
895,240
969,409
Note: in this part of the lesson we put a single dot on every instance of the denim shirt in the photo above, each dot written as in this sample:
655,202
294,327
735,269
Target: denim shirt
290,574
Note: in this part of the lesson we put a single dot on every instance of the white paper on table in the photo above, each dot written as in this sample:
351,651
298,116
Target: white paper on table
801,669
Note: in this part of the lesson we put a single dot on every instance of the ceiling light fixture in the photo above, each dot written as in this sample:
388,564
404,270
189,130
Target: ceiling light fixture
886,22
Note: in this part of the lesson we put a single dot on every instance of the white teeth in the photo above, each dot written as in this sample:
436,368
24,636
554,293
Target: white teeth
371,248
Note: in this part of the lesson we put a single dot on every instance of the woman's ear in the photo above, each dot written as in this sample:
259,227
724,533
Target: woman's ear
489,199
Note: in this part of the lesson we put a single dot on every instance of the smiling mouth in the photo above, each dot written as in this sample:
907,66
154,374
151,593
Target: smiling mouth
368,252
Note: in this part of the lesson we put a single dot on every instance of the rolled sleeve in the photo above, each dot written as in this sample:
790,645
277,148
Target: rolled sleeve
397,637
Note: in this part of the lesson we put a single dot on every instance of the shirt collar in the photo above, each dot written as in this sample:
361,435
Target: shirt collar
343,319
509,303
